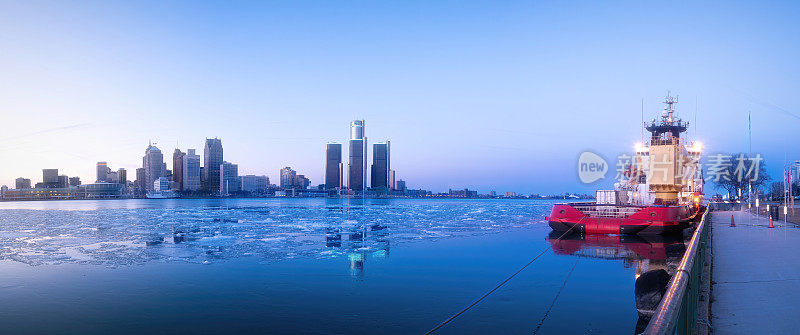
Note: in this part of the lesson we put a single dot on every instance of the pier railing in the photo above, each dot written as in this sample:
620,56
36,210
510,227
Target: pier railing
677,312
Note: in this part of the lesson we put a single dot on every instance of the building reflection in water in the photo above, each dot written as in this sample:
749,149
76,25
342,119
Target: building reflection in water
654,258
359,238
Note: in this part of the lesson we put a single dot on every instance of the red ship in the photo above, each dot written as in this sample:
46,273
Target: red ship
659,190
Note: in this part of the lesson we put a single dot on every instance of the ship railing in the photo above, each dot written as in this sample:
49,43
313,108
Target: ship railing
677,311
607,210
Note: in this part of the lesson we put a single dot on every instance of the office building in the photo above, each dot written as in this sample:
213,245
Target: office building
191,171
161,184
122,176
102,172
333,166
212,160
229,178
381,168
74,181
139,184
401,185
63,181
288,177
357,164
22,183
49,178
301,182
177,168
3,190
153,164
254,184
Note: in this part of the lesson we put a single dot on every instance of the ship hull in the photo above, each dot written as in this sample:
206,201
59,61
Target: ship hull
592,218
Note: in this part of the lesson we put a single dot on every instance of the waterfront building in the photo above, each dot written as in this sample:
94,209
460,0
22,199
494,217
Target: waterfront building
229,178
22,183
177,168
139,184
190,171
63,181
254,184
112,177
49,178
357,163
102,172
288,177
43,193
103,190
333,166
381,168
3,190
212,161
74,181
161,184
400,185
153,164
301,182
122,176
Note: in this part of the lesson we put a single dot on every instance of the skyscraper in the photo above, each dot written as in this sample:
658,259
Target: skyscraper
288,177
102,172
177,168
212,160
229,178
153,164
357,165
333,166
191,171
381,168
123,176
139,185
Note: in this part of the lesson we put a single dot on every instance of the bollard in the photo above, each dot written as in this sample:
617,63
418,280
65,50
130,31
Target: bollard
732,224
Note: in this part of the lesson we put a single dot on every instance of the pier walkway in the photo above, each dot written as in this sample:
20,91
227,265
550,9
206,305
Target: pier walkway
756,275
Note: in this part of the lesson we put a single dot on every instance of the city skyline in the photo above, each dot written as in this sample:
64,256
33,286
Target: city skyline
474,101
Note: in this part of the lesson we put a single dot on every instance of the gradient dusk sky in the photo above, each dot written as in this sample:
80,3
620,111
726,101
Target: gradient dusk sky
488,95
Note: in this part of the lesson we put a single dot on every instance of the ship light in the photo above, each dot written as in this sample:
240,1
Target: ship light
697,147
639,147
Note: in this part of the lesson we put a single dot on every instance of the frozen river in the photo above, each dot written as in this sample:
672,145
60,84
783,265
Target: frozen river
345,266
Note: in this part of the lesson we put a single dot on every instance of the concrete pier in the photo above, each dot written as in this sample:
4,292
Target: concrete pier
755,276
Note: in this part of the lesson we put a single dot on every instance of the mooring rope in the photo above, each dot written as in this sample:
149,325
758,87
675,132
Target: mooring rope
535,331
454,316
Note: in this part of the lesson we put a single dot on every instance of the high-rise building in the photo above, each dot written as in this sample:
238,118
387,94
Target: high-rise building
401,185
357,164
212,160
122,175
102,172
177,168
63,181
288,177
139,185
229,178
75,181
301,182
112,177
50,178
161,184
22,183
191,171
153,164
254,184
381,168
333,166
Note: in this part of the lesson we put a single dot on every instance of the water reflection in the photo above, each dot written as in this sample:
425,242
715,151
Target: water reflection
654,258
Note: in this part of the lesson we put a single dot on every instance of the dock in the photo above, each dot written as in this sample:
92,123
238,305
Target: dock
755,275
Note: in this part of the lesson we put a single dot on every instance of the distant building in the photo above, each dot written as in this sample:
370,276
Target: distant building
333,166
22,183
139,184
357,163
400,185
191,171
161,184
381,169
102,190
113,177
102,172
465,193
254,184
63,181
301,182
212,160
288,177
511,194
177,168
122,175
75,181
229,178
49,178
153,164
3,190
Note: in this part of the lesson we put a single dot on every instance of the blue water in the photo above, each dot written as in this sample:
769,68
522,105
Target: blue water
300,266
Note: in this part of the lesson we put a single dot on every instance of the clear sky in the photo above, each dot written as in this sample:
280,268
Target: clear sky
489,95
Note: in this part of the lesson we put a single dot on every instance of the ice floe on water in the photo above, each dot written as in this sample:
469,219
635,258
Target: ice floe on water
194,231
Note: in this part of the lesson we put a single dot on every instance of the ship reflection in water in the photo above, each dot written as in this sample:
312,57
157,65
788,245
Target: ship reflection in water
654,258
